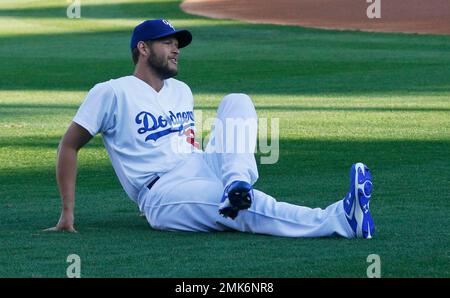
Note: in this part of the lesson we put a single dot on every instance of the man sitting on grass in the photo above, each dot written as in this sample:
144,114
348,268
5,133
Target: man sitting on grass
148,127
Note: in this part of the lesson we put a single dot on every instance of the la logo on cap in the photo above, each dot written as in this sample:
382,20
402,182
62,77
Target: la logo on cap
168,24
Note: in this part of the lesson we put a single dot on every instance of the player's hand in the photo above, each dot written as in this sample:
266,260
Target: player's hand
65,223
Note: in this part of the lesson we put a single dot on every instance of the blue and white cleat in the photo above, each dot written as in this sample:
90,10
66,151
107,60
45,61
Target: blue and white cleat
236,196
356,203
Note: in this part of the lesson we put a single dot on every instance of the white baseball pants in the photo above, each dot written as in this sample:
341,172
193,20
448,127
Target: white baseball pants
188,197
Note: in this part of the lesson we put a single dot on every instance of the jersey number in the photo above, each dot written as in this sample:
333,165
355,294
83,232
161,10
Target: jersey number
190,138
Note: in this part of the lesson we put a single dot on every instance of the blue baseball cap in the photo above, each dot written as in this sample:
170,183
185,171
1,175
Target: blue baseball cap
156,29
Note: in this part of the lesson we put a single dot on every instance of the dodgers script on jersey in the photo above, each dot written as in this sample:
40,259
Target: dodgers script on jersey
156,129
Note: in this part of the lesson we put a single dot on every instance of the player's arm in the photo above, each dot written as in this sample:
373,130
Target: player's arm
66,172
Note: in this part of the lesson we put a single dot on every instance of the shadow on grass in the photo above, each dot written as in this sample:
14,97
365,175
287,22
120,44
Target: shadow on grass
249,76
236,58
298,158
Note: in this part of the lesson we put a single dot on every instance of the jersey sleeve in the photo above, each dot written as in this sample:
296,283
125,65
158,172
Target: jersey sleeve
96,113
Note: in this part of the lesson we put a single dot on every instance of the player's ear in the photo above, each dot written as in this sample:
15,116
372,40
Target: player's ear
143,48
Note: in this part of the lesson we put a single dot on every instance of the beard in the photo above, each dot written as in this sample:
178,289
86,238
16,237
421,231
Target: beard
160,65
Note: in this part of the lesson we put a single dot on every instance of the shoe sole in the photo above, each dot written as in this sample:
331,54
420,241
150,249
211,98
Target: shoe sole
362,181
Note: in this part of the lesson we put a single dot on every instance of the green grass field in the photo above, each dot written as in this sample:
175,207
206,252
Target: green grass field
341,97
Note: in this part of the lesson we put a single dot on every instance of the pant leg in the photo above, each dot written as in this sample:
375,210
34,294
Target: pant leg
230,152
270,217
187,199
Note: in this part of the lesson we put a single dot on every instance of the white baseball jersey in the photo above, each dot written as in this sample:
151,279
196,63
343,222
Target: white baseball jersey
142,129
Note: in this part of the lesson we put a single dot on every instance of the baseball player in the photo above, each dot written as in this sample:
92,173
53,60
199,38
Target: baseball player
148,128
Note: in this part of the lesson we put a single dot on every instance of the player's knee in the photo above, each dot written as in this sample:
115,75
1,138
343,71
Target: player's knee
237,98
239,102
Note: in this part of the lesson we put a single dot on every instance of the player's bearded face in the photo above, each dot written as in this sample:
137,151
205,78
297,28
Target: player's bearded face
163,58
